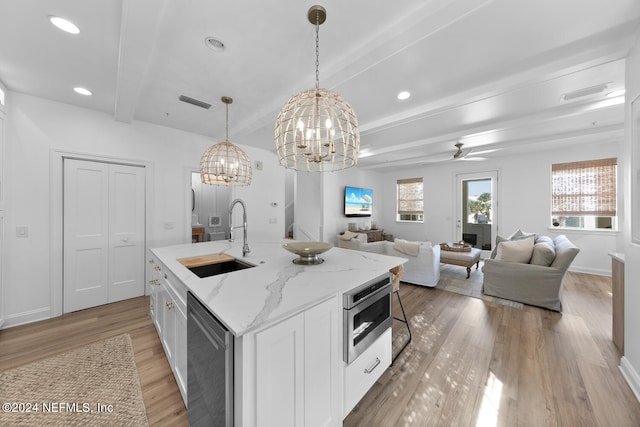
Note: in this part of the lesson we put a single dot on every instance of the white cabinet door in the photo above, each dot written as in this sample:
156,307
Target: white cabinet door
323,373
168,335
180,370
280,374
170,319
298,370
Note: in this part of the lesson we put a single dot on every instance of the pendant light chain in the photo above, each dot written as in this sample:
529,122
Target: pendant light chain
317,51
227,125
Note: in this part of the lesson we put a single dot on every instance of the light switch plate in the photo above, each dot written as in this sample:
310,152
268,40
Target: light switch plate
22,231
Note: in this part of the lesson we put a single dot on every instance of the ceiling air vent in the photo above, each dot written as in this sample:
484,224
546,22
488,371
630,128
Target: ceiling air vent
584,92
194,101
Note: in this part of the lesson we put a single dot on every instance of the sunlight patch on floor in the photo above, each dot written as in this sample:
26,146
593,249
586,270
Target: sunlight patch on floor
490,407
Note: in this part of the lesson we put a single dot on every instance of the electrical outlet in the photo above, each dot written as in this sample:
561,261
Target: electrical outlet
168,225
273,220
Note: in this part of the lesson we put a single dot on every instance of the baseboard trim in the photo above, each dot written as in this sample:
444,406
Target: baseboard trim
25,317
587,270
631,376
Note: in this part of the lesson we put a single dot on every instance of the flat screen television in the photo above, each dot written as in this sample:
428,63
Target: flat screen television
358,201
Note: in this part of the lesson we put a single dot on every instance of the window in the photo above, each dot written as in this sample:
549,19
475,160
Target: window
410,200
584,194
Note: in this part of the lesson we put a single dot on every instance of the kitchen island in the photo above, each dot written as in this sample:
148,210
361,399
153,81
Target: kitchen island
286,320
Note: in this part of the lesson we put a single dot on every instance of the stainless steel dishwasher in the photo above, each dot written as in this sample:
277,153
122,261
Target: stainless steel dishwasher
210,368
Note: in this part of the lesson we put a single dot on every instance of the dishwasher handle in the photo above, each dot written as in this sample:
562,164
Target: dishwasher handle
208,324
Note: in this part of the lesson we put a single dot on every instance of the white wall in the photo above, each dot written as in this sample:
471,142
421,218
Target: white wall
37,126
523,192
308,215
320,202
523,197
630,363
335,221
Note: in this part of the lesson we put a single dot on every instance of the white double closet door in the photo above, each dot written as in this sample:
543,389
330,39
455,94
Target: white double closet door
104,223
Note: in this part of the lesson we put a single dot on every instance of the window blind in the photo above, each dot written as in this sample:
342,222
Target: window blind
410,196
584,188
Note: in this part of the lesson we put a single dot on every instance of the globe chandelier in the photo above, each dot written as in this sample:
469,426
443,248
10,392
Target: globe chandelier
317,130
224,163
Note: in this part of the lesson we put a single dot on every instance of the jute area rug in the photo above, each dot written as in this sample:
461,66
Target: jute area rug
453,279
95,385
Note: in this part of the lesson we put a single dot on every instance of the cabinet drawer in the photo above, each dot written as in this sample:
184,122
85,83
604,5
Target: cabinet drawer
363,372
176,290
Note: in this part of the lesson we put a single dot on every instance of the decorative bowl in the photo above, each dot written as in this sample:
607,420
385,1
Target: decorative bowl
307,251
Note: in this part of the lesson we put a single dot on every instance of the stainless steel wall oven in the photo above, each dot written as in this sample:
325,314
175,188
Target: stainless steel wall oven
367,315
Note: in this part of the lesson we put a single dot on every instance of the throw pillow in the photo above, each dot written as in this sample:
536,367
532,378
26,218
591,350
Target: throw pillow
517,235
544,251
515,250
406,247
348,235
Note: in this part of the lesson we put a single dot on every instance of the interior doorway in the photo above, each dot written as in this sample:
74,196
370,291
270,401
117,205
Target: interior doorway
209,210
476,211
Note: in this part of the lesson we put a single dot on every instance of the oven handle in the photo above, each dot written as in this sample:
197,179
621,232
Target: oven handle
348,304
371,299
373,366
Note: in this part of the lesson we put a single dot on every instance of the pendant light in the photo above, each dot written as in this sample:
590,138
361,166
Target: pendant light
225,163
317,130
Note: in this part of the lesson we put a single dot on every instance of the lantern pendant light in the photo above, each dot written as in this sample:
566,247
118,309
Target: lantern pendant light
224,163
317,130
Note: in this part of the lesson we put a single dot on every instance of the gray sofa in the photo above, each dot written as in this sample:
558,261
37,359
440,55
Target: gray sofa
532,283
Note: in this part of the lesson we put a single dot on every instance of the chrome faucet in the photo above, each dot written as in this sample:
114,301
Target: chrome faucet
245,246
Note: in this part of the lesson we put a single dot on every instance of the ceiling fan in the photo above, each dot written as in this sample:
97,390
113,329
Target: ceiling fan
461,154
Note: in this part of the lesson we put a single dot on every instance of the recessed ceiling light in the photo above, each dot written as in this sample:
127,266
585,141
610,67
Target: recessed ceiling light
403,95
215,44
64,25
83,91
616,93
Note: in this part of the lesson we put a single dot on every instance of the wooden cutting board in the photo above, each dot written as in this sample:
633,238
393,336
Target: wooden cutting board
198,261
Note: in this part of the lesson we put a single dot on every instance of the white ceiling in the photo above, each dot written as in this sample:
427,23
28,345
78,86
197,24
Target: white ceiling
490,74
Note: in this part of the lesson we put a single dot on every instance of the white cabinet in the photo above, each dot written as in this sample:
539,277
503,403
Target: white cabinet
363,372
279,377
168,311
153,289
297,378
180,359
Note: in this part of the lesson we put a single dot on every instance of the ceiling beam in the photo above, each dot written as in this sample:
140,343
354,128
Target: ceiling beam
141,20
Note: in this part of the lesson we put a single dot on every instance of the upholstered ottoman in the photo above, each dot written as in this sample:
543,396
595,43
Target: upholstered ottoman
465,259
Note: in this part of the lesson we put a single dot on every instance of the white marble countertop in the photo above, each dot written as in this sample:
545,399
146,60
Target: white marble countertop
276,288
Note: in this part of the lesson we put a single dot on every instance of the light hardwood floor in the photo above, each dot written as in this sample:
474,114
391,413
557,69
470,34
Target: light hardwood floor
162,399
479,363
471,363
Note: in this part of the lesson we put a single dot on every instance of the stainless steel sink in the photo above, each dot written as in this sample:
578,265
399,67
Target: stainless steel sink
214,269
